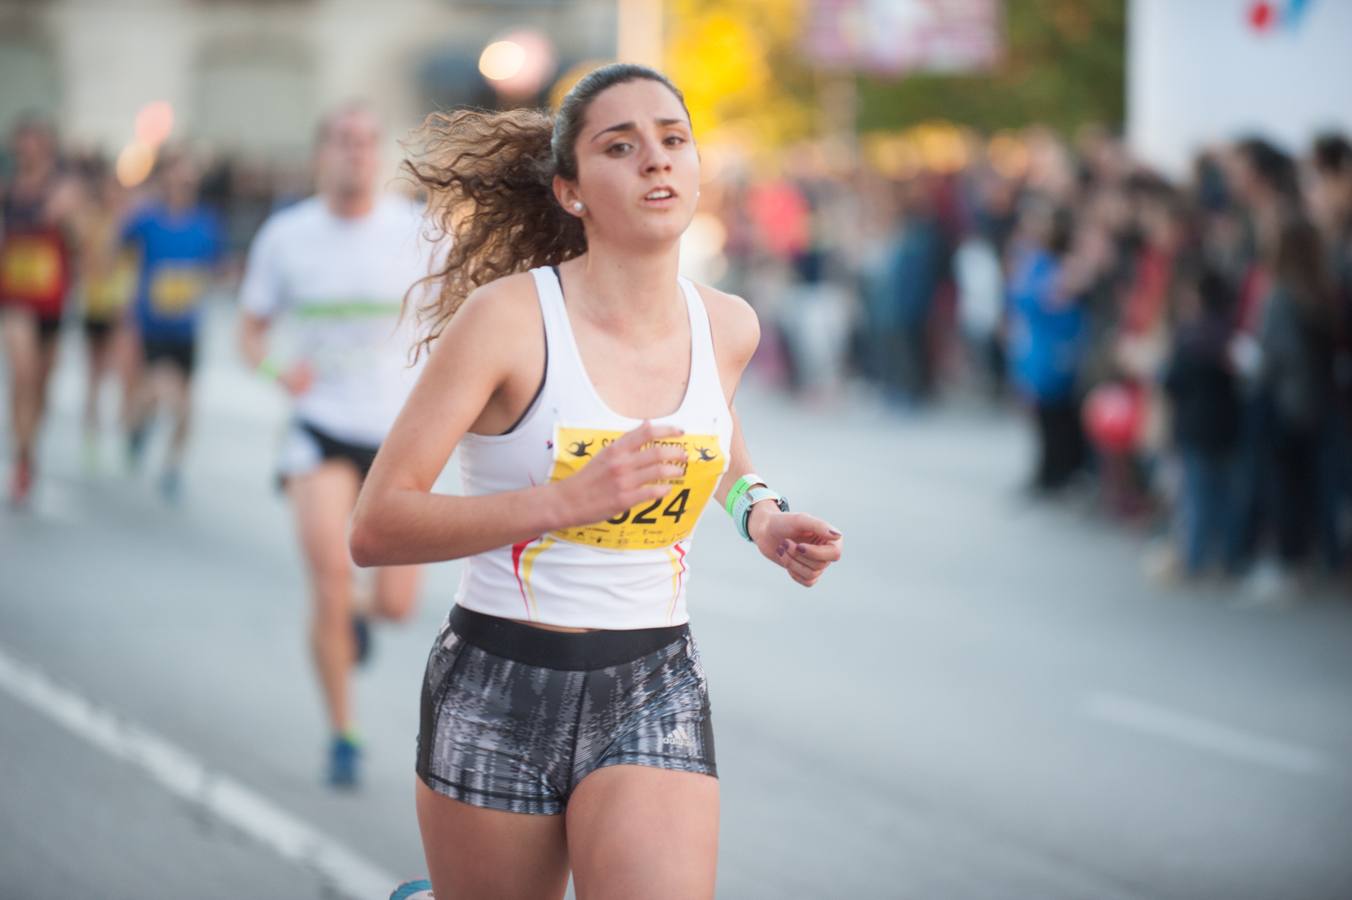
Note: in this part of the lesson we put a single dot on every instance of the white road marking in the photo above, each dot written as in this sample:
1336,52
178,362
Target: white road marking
345,872
1184,728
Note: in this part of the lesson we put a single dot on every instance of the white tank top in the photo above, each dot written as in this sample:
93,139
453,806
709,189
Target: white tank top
630,571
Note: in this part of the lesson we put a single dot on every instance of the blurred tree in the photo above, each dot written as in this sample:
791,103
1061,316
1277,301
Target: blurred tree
743,70
739,66
1064,65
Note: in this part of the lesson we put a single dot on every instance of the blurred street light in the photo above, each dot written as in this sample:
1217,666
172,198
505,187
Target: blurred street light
154,123
134,163
518,64
502,60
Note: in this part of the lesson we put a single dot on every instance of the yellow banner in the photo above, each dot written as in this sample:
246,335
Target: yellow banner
652,525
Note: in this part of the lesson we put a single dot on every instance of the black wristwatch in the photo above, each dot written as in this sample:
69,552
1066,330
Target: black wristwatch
756,495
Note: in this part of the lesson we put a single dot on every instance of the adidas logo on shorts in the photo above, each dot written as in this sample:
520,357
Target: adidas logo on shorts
680,738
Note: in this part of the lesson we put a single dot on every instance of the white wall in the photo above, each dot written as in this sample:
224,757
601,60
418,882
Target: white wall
1198,73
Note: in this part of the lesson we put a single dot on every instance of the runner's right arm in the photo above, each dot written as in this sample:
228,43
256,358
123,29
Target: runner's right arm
399,521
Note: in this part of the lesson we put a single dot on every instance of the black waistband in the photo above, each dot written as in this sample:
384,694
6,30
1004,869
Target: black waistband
559,649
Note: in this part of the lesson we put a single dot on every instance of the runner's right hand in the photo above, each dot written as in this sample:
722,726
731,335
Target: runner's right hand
628,472
297,379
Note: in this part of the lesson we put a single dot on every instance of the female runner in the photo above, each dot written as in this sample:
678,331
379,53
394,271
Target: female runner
565,716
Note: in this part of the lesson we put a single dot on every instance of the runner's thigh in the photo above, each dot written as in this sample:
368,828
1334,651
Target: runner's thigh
323,499
488,854
19,331
637,831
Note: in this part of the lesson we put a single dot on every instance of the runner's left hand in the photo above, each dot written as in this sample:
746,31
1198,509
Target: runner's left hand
802,544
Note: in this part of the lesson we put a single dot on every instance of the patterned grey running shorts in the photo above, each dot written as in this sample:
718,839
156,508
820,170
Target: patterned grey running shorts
514,717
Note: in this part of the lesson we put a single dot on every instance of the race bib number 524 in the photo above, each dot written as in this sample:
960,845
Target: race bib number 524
653,524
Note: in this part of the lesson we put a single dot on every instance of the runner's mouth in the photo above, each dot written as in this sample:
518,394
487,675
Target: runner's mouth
660,196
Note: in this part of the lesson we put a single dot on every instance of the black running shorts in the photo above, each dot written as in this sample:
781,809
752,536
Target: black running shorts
97,331
514,717
306,446
177,352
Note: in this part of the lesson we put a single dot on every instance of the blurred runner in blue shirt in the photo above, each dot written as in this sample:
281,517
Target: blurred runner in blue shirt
179,245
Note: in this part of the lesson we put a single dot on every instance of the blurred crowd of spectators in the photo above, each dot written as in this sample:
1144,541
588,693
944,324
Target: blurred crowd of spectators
1181,346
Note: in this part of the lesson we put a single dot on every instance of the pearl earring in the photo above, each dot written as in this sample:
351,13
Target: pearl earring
577,205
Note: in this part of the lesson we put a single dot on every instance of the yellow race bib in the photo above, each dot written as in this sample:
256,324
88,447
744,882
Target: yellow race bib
175,289
648,526
31,267
108,292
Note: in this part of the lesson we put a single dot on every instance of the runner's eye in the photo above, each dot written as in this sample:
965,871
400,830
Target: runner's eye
621,146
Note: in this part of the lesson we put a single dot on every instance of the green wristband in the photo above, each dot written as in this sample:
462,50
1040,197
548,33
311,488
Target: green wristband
269,368
744,484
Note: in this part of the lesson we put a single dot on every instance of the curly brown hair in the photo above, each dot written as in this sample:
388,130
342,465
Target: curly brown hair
490,177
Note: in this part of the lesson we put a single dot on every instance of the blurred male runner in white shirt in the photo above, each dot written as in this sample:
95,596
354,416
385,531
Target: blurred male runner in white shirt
323,289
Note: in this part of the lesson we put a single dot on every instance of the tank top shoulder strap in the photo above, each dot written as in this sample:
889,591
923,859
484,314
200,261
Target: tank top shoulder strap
558,334
703,362
551,301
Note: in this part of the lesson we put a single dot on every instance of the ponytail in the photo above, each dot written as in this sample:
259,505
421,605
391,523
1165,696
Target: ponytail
490,177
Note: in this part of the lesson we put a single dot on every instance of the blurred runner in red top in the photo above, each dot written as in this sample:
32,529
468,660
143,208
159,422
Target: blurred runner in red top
37,206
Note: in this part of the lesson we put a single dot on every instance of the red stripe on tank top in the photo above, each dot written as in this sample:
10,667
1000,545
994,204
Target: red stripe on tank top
680,580
517,550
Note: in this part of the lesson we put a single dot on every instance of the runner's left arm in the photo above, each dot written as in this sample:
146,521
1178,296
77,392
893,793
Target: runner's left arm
802,544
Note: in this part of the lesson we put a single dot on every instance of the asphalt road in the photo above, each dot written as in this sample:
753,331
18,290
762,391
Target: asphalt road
986,699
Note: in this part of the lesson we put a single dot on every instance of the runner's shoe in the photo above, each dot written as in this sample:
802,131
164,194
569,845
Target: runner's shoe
421,889
136,446
344,761
361,638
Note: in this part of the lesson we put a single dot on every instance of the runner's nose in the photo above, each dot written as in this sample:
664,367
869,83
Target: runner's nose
657,159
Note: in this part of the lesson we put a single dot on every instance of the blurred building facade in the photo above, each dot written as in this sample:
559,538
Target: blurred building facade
252,76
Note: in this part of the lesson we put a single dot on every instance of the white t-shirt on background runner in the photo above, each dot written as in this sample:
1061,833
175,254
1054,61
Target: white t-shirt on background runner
334,289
